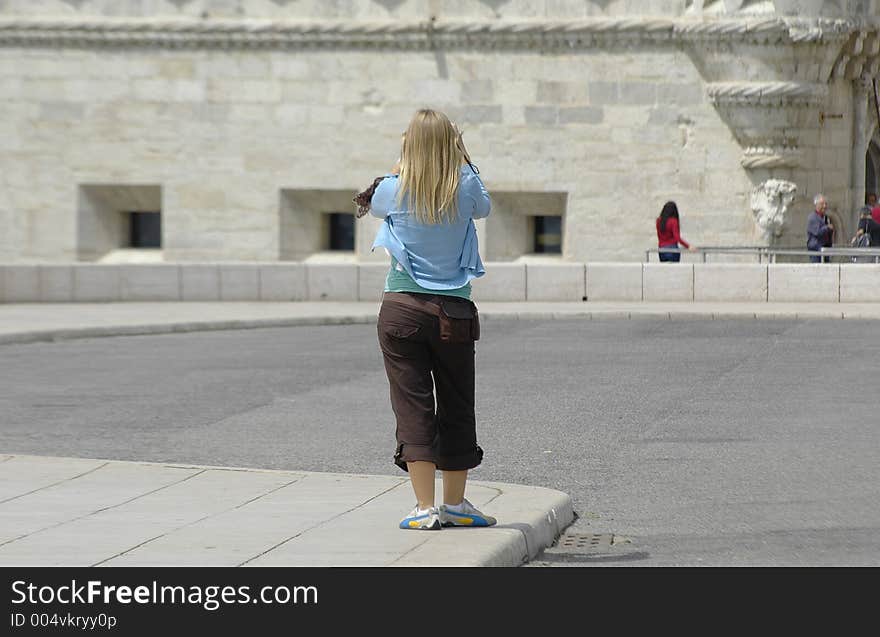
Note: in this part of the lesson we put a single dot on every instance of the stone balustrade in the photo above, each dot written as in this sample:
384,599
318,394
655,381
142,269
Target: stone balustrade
565,281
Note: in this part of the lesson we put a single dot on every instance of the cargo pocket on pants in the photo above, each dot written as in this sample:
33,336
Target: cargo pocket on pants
457,321
400,331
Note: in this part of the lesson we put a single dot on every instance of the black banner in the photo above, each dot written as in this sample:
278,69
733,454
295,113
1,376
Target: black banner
128,601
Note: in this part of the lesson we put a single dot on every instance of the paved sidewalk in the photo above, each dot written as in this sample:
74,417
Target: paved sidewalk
31,322
80,512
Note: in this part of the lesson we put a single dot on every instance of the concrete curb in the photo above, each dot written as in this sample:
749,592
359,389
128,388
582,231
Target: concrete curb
61,334
171,328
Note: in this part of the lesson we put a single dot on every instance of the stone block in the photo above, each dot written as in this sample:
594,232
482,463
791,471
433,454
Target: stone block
542,115
38,90
56,283
477,91
289,66
663,116
554,92
199,282
250,112
555,282
21,283
502,282
680,94
476,114
329,114
623,136
169,90
730,282
602,93
371,281
614,281
154,282
61,111
292,113
516,92
95,282
244,91
437,91
283,282
332,281
859,283
668,281
239,281
795,282
581,115
176,68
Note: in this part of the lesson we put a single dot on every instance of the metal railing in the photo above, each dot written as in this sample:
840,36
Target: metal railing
864,255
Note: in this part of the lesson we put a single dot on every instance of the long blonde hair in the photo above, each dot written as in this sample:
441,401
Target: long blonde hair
431,158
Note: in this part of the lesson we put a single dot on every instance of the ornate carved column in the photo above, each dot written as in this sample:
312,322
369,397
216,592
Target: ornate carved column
859,61
863,94
767,77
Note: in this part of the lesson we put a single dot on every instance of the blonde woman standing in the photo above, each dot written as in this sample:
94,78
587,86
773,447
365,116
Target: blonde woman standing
427,323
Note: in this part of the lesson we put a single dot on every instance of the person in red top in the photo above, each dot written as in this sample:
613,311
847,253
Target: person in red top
668,233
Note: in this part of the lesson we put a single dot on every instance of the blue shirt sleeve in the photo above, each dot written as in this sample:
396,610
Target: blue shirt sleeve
383,198
475,193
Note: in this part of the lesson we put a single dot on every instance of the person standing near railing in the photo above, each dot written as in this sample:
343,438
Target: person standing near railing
819,230
668,233
867,228
872,204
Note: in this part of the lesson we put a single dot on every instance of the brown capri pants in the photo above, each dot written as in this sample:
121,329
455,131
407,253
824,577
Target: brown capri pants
417,362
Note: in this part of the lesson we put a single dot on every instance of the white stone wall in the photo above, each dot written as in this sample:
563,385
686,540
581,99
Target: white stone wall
617,126
224,133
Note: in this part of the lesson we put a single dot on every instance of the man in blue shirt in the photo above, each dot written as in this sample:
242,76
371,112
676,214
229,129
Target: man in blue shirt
819,230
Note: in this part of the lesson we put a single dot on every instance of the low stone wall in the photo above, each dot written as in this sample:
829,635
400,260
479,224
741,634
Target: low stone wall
85,282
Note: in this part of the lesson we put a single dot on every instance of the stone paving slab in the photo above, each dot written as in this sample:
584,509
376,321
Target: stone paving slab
82,512
41,473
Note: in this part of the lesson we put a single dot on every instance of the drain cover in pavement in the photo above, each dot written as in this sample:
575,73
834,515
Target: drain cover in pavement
584,542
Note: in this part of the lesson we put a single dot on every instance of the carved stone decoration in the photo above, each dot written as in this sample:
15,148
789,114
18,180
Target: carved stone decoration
720,7
770,201
583,33
768,93
226,33
774,156
860,55
762,116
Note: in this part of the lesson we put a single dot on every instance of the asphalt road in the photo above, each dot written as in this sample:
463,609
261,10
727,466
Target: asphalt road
688,442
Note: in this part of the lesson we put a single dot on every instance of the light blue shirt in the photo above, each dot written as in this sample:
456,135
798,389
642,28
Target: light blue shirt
442,256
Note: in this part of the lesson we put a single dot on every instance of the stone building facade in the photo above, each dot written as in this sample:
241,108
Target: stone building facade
245,126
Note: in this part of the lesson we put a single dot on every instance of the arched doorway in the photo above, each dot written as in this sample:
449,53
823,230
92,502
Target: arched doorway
872,168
